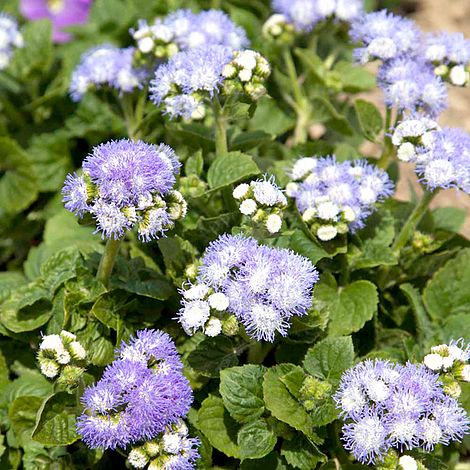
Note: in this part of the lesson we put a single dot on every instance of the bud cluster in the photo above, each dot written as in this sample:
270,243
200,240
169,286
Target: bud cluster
458,75
62,356
451,362
170,449
313,392
263,202
411,135
204,309
246,74
278,28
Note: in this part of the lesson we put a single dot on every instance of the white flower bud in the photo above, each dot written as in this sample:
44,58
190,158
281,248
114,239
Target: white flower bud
229,71
465,373
273,223
291,189
349,214
427,139
309,215
405,462
138,458
441,349
180,427
218,301
52,342
77,350
245,75
171,443
67,335
273,25
327,210
433,361
327,232
302,167
194,315
197,292
145,45
49,368
406,152
457,353
240,191
213,327
447,362
63,356
246,59
458,75
248,207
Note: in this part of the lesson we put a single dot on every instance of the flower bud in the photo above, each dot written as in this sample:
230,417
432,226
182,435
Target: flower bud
138,458
230,326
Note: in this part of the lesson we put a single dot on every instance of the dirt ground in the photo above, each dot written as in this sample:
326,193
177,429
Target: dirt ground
452,16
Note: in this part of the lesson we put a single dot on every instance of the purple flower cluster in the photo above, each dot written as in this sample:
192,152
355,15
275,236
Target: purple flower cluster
181,85
306,14
10,38
184,30
141,393
384,36
126,184
263,287
335,197
409,84
442,156
106,66
387,405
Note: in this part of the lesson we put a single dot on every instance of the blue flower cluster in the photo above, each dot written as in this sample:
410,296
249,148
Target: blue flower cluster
127,184
106,66
335,197
387,405
263,287
442,156
306,14
183,29
10,38
181,85
141,393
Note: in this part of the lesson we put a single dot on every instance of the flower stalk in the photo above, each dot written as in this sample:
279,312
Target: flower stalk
108,260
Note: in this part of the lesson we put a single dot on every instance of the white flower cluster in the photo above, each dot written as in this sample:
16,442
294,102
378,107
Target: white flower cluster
247,73
263,201
277,26
171,449
452,361
406,462
157,39
61,354
411,134
10,38
201,310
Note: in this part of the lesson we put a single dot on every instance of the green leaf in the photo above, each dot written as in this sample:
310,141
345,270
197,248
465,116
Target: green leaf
18,187
212,355
448,218
256,440
325,112
247,140
272,462
194,164
55,423
455,326
217,425
447,293
329,358
22,413
231,168
312,62
354,78
281,403
369,118
349,307
109,307
270,118
59,268
303,245
301,453
9,280
242,391
27,308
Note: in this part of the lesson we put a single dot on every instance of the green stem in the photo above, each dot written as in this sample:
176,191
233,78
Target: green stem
301,105
220,129
413,220
107,261
388,149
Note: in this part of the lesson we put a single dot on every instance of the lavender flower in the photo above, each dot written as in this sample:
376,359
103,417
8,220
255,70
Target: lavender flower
336,197
127,184
263,201
445,162
62,13
106,66
139,395
183,30
450,55
384,36
262,287
409,83
305,15
189,77
387,405
10,38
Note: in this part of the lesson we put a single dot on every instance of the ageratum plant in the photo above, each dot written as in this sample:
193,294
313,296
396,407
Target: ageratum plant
203,265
